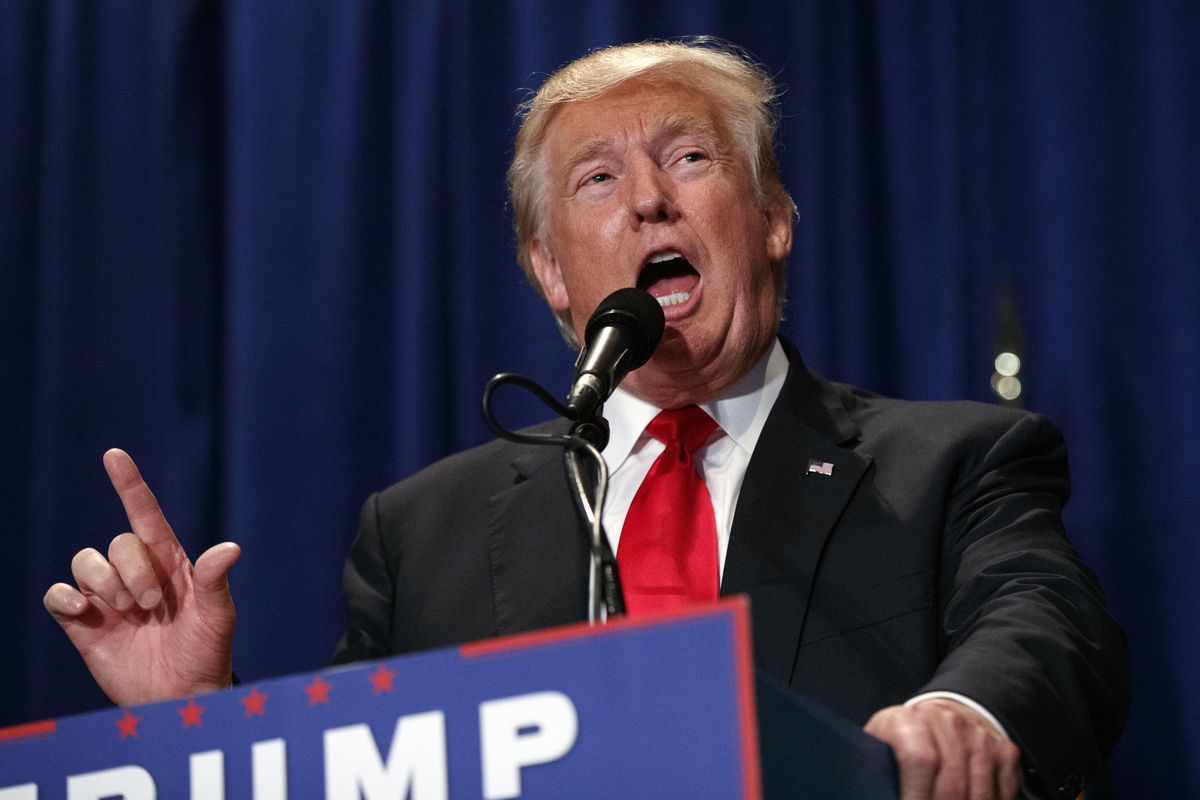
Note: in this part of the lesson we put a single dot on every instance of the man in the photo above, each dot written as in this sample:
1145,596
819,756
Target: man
906,561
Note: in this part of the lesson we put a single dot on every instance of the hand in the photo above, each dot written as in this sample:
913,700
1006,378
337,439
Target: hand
148,624
947,751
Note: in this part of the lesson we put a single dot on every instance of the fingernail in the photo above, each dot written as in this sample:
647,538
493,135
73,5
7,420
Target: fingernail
123,601
76,604
150,598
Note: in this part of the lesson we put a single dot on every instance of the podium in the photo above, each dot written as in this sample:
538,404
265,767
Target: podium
658,707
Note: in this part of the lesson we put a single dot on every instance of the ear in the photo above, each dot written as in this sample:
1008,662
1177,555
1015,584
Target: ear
549,275
779,229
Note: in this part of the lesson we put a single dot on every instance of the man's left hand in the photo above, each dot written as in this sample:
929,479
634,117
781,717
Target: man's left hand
947,751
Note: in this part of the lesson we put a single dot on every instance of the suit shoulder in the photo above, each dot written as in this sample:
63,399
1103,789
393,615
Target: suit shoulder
941,423
479,470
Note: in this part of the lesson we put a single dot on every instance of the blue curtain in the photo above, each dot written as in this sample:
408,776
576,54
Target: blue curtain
265,247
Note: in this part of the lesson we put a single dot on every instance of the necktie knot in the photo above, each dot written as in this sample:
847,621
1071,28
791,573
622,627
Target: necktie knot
688,427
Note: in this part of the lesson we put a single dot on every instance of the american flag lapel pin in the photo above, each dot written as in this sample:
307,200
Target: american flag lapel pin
818,467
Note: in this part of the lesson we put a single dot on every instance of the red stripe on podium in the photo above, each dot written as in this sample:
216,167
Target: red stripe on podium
579,630
28,730
747,703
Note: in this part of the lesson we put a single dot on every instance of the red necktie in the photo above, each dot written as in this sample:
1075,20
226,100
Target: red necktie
668,548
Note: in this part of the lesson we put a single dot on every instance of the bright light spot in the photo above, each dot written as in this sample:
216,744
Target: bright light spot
1009,387
1008,364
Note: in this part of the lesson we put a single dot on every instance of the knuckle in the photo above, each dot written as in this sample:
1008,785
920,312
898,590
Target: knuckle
136,574
951,790
981,737
878,724
128,555
86,560
918,757
78,559
121,544
52,600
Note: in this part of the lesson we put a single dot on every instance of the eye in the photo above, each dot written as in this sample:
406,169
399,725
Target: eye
693,157
599,177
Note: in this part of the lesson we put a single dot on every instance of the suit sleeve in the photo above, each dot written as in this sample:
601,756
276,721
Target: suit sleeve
367,589
1024,624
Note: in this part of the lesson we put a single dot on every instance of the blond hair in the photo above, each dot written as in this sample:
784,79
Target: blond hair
741,88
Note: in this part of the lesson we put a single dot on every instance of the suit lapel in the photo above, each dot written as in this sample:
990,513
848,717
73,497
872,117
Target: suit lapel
785,512
537,547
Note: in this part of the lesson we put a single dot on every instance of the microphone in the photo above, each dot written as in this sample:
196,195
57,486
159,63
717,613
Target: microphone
620,336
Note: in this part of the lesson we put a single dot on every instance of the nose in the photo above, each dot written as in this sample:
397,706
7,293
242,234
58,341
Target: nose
649,191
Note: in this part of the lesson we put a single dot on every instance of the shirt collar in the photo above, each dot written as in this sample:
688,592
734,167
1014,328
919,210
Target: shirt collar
741,410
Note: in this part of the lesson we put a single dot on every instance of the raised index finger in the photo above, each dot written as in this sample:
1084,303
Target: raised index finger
145,516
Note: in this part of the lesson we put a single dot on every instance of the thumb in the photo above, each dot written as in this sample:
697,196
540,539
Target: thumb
210,580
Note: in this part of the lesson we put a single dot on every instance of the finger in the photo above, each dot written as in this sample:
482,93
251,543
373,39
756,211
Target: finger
94,575
987,762
145,516
65,603
131,559
917,757
914,747
1008,770
991,763
210,579
982,771
956,744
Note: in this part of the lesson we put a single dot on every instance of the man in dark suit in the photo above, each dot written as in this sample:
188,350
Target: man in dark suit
906,561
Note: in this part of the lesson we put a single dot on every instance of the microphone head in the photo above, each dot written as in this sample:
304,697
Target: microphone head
638,312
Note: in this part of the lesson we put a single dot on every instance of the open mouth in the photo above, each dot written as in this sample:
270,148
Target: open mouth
669,278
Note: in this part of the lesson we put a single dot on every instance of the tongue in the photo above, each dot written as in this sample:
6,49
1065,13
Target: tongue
668,278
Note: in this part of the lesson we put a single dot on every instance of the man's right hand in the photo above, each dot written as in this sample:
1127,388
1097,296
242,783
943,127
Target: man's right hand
149,624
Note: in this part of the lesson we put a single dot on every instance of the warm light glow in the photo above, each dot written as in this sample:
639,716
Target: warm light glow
1008,364
1009,387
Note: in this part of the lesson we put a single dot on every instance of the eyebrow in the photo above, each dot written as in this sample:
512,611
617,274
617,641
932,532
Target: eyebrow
586,152
670,126
680,124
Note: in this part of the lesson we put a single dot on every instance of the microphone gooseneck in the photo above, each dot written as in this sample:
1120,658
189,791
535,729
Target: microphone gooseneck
620,336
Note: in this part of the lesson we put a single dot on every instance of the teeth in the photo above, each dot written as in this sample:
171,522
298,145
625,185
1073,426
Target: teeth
661,257
673,299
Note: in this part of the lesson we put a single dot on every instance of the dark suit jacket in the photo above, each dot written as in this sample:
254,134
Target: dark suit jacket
933,558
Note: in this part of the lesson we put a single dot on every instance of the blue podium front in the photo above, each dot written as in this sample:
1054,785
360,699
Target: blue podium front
660,707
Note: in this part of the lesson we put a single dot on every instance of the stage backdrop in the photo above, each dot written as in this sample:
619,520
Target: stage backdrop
265,248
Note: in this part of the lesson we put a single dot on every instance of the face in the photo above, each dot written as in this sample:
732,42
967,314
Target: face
645,188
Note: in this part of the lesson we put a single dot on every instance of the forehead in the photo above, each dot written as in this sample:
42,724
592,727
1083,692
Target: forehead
634,109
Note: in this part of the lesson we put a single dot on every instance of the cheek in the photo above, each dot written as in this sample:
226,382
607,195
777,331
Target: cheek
593,259
765,291
756,290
